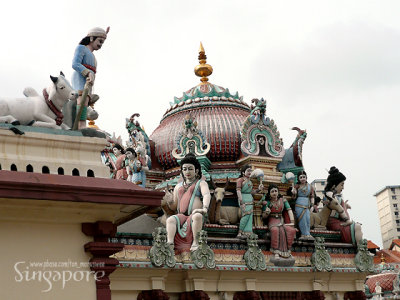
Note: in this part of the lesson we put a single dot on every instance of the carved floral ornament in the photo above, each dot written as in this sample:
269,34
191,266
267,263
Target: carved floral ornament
190,140
260,135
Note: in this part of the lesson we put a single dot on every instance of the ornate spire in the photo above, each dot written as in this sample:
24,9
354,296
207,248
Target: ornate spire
203,70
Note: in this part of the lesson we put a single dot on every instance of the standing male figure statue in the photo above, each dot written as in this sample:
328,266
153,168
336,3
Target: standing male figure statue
84,64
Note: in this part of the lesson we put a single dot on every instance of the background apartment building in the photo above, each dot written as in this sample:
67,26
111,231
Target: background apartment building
388,211
319,186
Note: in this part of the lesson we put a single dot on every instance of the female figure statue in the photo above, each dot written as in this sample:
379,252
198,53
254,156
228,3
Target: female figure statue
130,162
282,235
304,195
191,199
349,230
84,64
135,167
244,190
120,172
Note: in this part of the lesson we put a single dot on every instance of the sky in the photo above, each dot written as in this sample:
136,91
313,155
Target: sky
330,67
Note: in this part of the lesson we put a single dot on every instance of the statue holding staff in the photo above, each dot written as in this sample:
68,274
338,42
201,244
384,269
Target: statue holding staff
84,64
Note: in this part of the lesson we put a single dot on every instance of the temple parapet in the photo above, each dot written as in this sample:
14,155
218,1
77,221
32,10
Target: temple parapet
51,151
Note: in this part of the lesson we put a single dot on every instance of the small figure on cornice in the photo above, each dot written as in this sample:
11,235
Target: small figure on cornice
137,136
191,200
84,64
120,164
136,165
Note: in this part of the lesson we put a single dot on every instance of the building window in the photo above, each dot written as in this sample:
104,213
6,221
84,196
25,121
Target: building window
398,221
394,205
394,197
396,213
393,190
398,229
322,183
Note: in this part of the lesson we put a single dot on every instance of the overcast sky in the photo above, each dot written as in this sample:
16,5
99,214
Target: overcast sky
330,67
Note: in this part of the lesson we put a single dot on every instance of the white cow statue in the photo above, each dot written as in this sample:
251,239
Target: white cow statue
41,110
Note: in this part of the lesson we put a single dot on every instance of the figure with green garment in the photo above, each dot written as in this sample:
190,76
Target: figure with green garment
245,192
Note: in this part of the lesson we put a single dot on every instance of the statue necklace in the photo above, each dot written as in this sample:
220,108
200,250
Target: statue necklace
186,186
275,203
304,188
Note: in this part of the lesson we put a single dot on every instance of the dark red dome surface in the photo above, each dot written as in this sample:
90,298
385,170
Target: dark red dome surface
219,116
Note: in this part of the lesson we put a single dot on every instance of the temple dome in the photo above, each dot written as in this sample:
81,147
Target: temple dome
219,115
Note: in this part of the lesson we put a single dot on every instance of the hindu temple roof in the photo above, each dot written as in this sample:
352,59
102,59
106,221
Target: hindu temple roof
219,115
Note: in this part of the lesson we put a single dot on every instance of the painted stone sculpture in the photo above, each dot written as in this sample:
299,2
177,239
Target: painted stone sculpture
320,259
203,256
350,231
137,136
41,110
260,135
161,253
140,166
191,201
120,163
282,235
190,140
244,190
292,161
320,219
304,195
84,64
364,261
218,214
254,258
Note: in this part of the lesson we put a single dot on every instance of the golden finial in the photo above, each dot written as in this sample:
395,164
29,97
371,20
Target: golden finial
383,260
203,70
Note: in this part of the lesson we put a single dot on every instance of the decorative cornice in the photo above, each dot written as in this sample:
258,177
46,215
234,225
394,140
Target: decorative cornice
22,185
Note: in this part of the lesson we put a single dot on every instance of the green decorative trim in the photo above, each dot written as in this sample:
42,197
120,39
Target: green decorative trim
225,175
320,259
203,256
254,258
198,94
161,253
364,261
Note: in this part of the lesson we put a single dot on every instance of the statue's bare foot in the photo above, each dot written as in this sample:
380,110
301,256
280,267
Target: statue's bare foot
171,246
194,247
